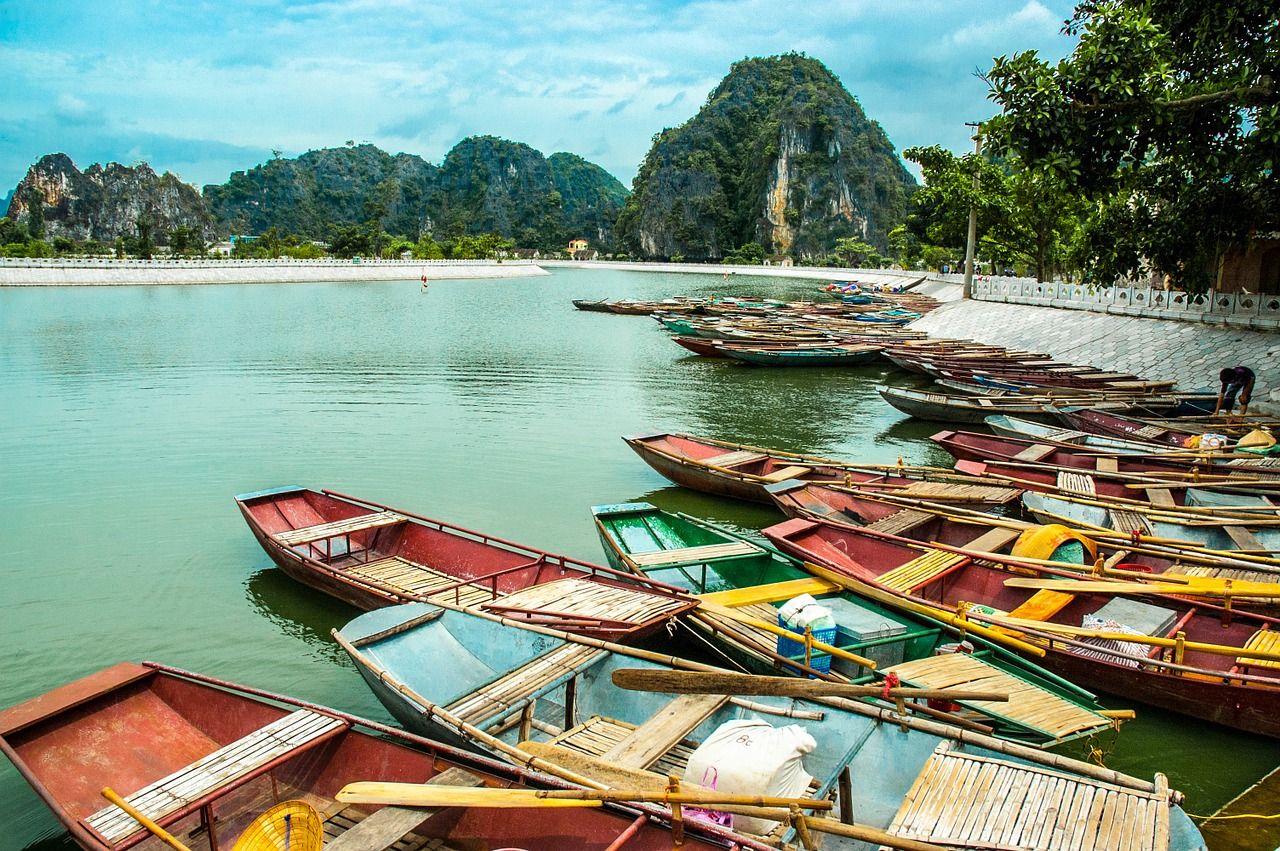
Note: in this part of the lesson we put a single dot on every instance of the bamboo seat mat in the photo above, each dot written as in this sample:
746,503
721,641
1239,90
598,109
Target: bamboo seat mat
307,534
1081,483
294,732
1262,641
978,802
587,599
959,492
900,521
1066,435
1029,705
734,459
1129,521
514,687
694,554
921,571
1148,432
412,578
753,637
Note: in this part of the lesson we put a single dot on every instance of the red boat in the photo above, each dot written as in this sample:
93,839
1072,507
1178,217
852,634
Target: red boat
371,555
743,472
1116,425
970,446
204,758
1182,656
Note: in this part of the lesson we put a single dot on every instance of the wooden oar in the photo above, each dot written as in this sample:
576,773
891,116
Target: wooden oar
691,682
426,795
160,833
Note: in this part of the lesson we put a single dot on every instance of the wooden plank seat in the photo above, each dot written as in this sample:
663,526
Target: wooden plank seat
900,522
321,531
1066,435
1243,538
391,825
412,578
993,540
980,802
1035,452
1029,705
734,459
694,554
248,756
1042,605
588,600
665,729
922,570
957,492
1147,432
515,688
1081,483
1160,497
1262,641
348,818
785,473
1107,465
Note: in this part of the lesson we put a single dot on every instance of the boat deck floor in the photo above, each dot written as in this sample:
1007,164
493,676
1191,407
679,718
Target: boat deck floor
1029,705
414,579
515,688
588,600
978,802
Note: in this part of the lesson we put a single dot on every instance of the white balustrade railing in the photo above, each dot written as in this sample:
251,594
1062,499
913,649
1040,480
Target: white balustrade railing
1148,301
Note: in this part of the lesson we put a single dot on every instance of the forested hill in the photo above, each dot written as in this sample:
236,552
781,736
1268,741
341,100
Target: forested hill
780,154
485,184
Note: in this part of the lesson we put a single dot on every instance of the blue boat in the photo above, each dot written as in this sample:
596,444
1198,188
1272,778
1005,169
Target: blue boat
480,682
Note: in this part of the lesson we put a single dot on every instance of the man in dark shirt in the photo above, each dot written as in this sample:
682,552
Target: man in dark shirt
1235,380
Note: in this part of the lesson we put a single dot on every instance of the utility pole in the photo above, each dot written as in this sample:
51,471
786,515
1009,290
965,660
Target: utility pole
973,216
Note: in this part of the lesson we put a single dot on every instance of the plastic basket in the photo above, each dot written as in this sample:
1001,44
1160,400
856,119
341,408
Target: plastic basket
794,650
288,826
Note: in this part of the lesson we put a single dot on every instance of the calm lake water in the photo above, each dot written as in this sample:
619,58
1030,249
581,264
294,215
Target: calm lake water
132,415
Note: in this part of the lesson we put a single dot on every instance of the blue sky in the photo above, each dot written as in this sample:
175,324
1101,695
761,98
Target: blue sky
202,88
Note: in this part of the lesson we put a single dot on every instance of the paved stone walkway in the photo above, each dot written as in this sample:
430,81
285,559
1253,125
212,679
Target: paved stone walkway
1189,353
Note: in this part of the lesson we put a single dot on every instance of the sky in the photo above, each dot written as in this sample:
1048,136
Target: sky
203,89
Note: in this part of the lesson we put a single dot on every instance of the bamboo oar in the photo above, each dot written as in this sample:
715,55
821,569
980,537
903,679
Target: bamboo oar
427,795
690,682
163,835
1050,629
1196,589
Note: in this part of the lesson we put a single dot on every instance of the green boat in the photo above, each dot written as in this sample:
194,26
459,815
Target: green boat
744,584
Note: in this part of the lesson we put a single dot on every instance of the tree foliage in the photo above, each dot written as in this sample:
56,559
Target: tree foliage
1165,117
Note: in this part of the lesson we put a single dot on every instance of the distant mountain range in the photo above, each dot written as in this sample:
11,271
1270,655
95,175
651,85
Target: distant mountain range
780,154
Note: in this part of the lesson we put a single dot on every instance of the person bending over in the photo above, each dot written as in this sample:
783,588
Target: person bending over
1235,380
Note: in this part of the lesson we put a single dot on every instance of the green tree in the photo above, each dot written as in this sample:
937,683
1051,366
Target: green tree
427,248
184,239
13,232
1166,118
854,252
34,199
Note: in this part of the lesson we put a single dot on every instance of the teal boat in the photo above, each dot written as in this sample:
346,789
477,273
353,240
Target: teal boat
1017,427
744,584
537,694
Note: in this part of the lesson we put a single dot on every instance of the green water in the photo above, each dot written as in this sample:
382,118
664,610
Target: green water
132,415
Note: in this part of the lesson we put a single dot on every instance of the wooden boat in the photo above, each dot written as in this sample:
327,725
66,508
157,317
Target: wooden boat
371,555
963,445
742,472
598,306
1176,433
1152,555
1196,659
630,307
555,696
743,584
1008,426
1243,534
203,757
927,405
842,355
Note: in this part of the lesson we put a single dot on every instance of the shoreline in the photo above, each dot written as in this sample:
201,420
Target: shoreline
23,272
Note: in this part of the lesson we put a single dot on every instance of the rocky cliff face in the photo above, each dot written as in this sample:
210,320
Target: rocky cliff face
106,202
485,184
780,154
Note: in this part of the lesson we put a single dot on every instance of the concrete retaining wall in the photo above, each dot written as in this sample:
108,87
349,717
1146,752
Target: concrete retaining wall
64,273
1162,349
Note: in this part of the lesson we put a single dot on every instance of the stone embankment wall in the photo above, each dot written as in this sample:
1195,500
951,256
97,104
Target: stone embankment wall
1190,353
64,273
874,277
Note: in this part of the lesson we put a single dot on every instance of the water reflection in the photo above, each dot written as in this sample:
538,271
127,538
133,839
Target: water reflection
300,612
